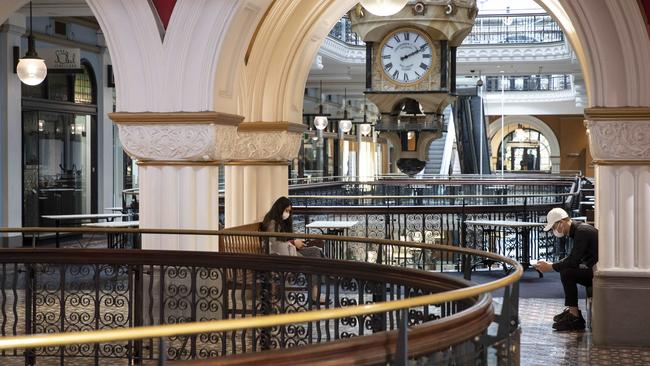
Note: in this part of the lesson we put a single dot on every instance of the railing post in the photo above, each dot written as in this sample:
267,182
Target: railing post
402,351
30,357
162,359
138,309
466,264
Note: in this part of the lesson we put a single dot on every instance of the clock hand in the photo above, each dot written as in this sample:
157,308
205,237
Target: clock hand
413,53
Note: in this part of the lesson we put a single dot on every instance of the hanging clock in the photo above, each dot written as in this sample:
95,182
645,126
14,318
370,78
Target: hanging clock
406,56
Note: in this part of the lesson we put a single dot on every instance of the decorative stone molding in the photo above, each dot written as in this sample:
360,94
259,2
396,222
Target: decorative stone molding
519,52
343,52
176,117
175,136
206,137
532,96
174,142
267,146
619,140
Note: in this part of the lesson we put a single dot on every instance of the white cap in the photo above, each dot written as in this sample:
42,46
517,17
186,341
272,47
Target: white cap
554,216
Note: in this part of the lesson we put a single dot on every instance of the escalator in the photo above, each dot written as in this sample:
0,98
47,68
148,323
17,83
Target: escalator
472,141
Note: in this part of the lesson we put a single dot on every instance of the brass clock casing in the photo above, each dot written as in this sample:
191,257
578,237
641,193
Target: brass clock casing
426,76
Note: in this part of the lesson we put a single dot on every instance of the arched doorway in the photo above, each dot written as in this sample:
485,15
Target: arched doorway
528,133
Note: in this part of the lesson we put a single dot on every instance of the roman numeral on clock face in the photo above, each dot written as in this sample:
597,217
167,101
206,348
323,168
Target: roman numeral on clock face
423,66
406,77
396,75
388,66
386,57
396,37
407,35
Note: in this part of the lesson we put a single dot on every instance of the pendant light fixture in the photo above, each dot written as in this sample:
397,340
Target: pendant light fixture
365,127
31,69
320,121
383,8
345,125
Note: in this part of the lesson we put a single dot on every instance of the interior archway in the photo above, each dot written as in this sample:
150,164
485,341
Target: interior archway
512,122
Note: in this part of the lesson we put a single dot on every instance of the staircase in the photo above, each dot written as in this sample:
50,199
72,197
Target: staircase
437,148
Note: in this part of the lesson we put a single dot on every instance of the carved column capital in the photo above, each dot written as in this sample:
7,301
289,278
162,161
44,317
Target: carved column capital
264,141
205,137
177,136
619,134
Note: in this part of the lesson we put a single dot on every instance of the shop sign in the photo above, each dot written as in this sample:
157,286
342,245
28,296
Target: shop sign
61,59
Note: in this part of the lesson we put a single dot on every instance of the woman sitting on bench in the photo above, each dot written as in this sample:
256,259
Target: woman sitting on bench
280,220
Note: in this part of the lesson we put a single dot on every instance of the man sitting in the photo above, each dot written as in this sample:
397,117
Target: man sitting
574,269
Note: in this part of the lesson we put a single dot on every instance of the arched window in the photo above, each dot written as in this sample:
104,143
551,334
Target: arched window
84,91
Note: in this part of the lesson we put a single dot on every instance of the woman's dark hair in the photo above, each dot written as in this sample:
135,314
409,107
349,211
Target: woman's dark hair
275,215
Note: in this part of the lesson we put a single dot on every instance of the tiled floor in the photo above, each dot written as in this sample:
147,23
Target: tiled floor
541,345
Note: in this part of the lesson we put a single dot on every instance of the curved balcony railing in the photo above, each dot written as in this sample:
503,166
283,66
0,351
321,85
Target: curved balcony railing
529,83
516,29
342,31
86,299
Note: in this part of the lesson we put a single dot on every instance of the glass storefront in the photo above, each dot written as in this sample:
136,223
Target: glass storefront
57,164
59,147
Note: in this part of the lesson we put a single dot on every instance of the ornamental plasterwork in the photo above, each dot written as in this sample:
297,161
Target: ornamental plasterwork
206,142
170,142
619,140
540,96
520,52
271,146
343,52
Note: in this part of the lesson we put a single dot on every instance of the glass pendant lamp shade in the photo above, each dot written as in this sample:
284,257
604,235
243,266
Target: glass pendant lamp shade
383,8
365,129
31,71
345,125
320,122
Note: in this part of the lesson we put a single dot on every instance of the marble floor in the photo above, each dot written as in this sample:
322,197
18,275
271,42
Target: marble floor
541,345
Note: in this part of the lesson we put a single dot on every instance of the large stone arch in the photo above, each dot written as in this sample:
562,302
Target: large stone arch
511,122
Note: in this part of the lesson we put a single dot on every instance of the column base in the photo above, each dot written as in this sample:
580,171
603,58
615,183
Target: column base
620,309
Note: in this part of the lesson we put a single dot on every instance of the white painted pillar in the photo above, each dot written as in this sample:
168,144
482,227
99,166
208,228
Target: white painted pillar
11,206
622,160
251,189
105,164
179,196
619,140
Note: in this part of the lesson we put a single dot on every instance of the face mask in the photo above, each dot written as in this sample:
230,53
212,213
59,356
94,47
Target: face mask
285,215
558,234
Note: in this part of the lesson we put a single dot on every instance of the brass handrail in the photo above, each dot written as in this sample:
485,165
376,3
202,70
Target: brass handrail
101,336
437,196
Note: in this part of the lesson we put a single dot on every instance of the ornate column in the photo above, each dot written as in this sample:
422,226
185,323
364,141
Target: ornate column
620,145
178,155
257,170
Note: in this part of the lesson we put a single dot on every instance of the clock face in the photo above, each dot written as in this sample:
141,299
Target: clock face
406,56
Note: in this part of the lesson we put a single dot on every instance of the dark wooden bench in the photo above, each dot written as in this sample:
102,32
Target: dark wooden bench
241,243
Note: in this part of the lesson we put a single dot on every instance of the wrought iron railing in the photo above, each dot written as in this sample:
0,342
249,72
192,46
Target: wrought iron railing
529,83
76,291
342,31
516,29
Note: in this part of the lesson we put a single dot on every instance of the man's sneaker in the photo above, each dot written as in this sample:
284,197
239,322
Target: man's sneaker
570,322
561,315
